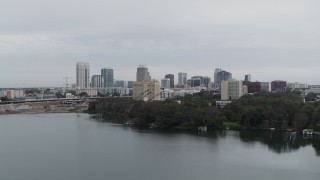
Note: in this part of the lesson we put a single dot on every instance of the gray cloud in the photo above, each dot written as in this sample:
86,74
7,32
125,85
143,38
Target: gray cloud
41,40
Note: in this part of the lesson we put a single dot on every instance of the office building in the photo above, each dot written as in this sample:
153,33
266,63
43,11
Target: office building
297,86
247,78
232,89
171,77
143,73
278,85
216,71
107,77
83,75
253,87
96,81
165,83
265,87
182,78
120,84
146,90
196,81
130,84
222,76
206,81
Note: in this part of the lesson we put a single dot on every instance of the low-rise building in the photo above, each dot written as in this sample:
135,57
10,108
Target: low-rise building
90,91
278,85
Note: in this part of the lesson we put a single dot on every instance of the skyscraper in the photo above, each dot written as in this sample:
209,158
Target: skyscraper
206,81
182,78
223,76
171,77
247,78
83,75
107,77
143,73
165,83
96,81
217,70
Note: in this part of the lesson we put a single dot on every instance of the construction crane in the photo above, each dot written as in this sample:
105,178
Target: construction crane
67,84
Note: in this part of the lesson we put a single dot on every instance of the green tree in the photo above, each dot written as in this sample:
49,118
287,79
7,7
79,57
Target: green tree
4,98
59,95
311,96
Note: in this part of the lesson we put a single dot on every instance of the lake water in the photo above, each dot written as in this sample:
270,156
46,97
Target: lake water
77,147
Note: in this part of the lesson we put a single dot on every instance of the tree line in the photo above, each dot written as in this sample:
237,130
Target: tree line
282,110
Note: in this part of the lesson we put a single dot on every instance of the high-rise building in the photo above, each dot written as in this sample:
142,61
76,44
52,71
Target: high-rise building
96,81
107,77
223,76
206,81
247,78
217,70
171,77
83,75
143,73
232,89
182,78
196,81
120,84
146,90
165,83
130,84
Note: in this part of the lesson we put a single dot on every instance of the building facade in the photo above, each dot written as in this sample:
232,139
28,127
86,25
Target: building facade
120,84
83,75
182,78
165,83
196,81
107,77
223,76
265,86
143,74
278,85
247,78
253,87
171,77
96,81
216,71
206,81
232,89
146,90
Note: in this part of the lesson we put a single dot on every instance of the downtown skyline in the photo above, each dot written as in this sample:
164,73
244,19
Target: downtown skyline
40,42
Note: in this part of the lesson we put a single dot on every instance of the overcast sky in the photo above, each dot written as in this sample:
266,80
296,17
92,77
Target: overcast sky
41,40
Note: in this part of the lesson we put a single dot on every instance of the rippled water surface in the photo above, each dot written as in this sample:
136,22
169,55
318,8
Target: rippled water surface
76,147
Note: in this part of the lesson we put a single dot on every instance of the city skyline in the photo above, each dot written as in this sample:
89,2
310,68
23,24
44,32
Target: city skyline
41,41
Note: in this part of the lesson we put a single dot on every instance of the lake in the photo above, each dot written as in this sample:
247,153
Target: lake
78,147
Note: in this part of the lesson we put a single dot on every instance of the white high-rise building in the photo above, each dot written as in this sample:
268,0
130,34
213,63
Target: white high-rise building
83,75
143,73
232,89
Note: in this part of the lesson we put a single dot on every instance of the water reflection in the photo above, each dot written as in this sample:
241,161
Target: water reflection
281,142
277,141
